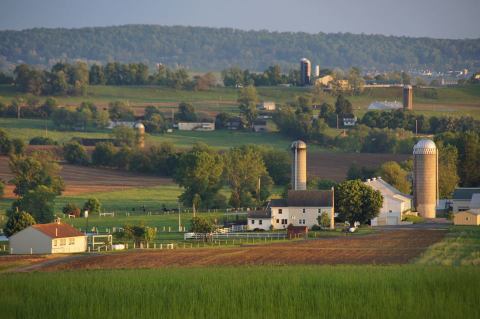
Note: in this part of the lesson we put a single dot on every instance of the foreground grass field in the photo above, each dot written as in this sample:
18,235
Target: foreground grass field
245,292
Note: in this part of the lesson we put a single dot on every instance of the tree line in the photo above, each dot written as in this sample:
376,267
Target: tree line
203,48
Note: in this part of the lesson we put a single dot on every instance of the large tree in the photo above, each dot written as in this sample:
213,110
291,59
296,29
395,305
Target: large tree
355,201
395,175
199,171
447,170
38,202
247,101
17,222
74,153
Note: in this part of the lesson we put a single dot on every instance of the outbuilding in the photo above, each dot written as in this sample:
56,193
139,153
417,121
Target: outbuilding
468,217
53,238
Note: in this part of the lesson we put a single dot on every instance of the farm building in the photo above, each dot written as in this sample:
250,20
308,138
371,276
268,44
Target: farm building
465,198
54,238
235,123
395,203
196,126
260,125
385,105
300,208
266,106
468,217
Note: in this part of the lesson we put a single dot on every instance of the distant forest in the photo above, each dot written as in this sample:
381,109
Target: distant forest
208,49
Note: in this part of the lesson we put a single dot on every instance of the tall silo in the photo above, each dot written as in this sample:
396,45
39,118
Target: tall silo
425,178
305,72
299,165
140,129
408,98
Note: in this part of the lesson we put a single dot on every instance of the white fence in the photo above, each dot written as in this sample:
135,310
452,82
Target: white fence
226,236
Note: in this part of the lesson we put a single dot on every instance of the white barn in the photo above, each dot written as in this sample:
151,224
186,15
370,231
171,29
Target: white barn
54,238
395,203
300,208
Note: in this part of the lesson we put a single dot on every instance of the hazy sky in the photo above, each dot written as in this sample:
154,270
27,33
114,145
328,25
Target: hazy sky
433,18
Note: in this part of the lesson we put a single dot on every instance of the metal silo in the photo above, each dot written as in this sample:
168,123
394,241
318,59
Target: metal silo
299,165
305,72
140,128
425,178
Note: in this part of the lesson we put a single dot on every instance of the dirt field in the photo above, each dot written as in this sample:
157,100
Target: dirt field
334,166
386,247
80,179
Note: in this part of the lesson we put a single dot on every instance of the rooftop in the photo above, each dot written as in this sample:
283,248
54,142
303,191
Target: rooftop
386,189
465,193
56,230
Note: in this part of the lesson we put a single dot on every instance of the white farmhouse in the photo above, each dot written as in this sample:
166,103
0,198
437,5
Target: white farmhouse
395,203
51,238
300,208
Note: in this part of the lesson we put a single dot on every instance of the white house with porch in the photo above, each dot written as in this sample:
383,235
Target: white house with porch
300,208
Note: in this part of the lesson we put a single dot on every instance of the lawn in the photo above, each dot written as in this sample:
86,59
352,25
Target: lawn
460,247
245,292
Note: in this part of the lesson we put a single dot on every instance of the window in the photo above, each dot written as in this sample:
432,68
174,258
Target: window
303,210
466,218
55,242
63,242
279,210
260,222
71,241
278,220
253,221
319,211
284,221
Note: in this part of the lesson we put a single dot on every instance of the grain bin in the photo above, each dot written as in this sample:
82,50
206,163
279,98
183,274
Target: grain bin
140,129
299,165
425,178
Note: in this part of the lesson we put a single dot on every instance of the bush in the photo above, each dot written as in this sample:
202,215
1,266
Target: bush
103,154
17,222
40,140
71,209
414,219
316,228
92,205
74,153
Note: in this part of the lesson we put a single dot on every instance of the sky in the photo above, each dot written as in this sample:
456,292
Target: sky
452,19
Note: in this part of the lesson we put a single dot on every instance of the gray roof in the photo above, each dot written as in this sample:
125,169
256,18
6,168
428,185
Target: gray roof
315,198
465,193
259,214
278,202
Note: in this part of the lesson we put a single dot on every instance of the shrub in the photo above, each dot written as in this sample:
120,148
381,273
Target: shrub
40,140
92,205
71,209
74,153
103,154
412,218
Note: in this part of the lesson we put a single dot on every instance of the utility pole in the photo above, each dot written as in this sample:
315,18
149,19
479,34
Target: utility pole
416,127
337,121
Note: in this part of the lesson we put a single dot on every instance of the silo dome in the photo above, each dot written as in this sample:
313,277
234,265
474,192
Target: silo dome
299,145
139,125
425,146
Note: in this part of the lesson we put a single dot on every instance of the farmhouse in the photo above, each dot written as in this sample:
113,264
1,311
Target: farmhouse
395,203
51,238
464,198
469,217
260,125
266,106
300,208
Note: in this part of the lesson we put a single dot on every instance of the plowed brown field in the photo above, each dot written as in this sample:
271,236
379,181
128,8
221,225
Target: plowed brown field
80,179
385,247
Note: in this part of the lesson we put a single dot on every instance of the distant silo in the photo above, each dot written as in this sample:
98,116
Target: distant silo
425,178
299,165
317,71
408,97
140,128
305,71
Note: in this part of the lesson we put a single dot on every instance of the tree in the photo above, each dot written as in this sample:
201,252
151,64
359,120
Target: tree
201,225
343,107
92,205
119,111
124,136
359,172
38,202
102,119
278,165
18,221
33,171
199,171
395,175
103,154
326,184
74,153
248,104
139,234
2,189
71,209
448,178
247,176
355,201
324,220
186,113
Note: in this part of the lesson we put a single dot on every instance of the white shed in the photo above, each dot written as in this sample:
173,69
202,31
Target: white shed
51,238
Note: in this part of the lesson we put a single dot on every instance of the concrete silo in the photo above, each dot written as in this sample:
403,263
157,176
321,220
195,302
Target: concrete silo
140,128
299,165
425,178
305,72
407,98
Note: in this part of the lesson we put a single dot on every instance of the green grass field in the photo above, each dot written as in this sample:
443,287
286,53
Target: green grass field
245,292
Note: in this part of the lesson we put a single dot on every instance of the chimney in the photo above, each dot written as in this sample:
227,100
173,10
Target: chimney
56,232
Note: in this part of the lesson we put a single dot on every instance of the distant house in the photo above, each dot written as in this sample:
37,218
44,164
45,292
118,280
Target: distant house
300,208
260,125
196,126
395,203
324,80
385,105
349,121
266,106
54,238
463,197
235,123
469,217
114,124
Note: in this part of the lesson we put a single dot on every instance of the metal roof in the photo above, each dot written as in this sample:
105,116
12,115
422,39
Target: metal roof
465,193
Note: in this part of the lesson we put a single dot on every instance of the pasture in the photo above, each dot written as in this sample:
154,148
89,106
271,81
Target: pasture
245,292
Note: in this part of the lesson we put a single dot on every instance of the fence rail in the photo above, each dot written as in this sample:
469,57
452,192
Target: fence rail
197,236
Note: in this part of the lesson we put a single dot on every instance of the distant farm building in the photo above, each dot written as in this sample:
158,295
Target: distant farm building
469,217
395,203
349,121
260,125
300,208
54,238
235,123
114,124
385,105
465,198
324,80
266,106
196,126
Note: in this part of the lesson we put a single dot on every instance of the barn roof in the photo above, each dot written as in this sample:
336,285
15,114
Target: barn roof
465,193
260,214
312,198
55,230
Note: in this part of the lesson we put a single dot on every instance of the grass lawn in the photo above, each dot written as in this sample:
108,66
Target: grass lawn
460,247
245,292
